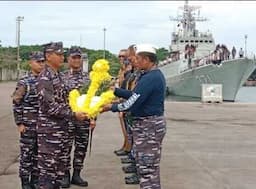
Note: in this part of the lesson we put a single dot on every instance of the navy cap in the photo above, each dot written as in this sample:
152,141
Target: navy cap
37,55
74,51
56,47
145,48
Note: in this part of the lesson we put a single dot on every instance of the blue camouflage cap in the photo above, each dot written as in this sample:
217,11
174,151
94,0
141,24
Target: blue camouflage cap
56,47
37,55
75,51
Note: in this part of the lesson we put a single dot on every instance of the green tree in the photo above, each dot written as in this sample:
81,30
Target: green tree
94,55
25,50
8,56
162,53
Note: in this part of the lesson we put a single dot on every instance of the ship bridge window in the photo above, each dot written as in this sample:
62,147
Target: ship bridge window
186,41
192,41
201,41
206,41
181,41
210,41
196,41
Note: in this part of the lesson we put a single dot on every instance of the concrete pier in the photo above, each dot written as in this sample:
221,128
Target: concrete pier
207,146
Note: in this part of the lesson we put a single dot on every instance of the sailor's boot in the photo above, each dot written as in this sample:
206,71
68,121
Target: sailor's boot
77,180
25,183
65,183
34,182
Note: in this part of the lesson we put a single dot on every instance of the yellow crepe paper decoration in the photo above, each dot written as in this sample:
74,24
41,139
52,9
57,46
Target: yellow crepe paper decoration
92,105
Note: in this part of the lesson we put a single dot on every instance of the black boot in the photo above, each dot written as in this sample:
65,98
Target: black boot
34,182
25,183
116,151
50,185
126,160
130,168
133,179
65,183
122,153
77,180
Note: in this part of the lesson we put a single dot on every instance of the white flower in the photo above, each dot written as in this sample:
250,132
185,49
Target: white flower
80,100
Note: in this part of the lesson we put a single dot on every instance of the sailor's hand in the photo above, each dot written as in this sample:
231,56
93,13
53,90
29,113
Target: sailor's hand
115,101
112,83
112,88
21,128
80,116
106,108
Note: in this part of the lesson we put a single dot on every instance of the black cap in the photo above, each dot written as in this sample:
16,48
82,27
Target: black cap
56,47
74,51
37,55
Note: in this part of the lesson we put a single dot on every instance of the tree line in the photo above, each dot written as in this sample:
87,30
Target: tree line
8,57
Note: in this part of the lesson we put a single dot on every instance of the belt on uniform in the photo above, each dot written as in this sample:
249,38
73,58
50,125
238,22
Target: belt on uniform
146,117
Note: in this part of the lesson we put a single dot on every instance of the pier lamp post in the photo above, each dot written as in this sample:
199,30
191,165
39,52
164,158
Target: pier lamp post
18,21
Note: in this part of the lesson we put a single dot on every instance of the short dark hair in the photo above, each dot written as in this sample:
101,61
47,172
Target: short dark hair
123,50
152,57
132,49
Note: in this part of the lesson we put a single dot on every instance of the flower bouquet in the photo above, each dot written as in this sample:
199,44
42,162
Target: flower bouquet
91,98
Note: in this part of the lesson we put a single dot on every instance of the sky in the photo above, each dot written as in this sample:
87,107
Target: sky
126,22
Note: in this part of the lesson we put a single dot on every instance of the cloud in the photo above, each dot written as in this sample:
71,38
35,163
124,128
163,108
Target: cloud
127,22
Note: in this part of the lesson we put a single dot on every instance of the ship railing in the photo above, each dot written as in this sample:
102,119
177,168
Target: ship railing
205,61
168,61
215,57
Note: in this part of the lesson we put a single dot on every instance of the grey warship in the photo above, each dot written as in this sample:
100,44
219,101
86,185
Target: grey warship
194,60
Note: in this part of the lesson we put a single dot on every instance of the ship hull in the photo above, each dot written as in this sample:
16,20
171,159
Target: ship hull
231,74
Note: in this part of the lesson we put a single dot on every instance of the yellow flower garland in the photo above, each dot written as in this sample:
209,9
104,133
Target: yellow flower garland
91,104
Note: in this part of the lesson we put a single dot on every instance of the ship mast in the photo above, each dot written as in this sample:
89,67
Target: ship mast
188,19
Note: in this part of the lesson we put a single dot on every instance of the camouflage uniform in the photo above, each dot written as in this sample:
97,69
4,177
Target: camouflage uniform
78,130
146,105
148,134
131,83
132,179
52,128
25,109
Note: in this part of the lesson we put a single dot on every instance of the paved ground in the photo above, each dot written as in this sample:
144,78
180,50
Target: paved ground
208,146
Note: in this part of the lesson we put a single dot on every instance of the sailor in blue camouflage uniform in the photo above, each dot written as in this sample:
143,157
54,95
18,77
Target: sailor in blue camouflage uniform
131,83
75,78
54,115
146,105
25,109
